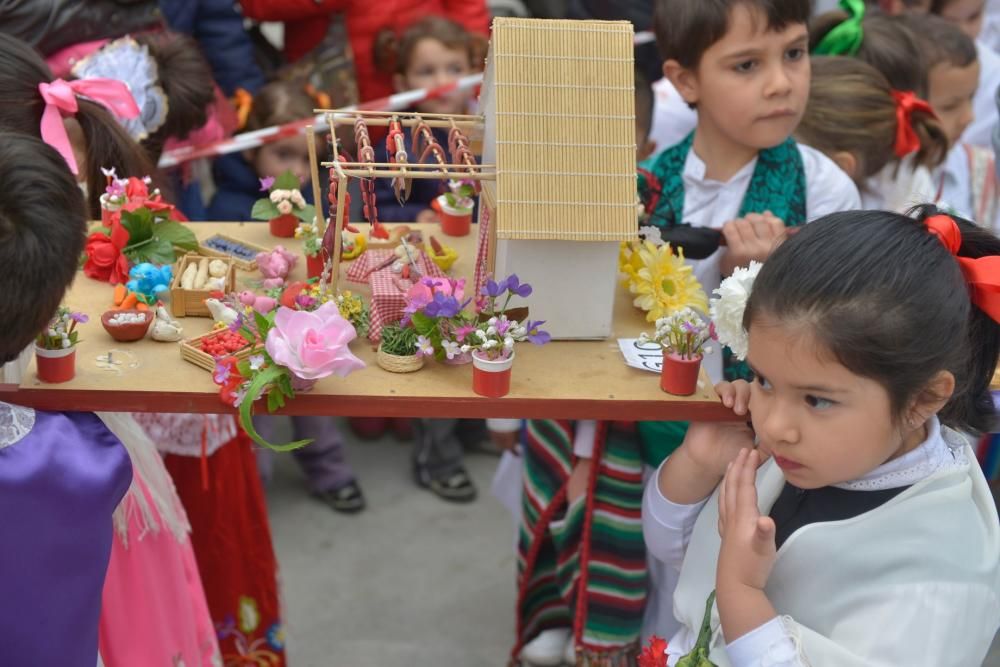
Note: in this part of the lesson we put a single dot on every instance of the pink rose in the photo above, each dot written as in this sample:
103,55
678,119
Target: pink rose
313,345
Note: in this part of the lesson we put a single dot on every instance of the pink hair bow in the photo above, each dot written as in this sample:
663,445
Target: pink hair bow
60,100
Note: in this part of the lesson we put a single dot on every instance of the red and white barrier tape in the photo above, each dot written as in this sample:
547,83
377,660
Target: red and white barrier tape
266,135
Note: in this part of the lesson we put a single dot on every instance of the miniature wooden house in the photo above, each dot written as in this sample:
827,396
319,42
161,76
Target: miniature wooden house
559,106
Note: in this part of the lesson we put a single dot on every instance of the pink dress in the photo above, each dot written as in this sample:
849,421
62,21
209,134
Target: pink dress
154,611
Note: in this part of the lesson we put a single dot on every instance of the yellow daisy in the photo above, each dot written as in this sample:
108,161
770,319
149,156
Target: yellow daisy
662,282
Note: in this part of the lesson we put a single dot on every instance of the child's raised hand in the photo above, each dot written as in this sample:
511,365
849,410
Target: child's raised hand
753,237
711,446
748,549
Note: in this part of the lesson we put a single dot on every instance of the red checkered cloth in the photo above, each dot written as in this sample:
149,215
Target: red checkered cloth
388,300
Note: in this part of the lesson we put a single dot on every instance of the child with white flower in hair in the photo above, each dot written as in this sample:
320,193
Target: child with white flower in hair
847,524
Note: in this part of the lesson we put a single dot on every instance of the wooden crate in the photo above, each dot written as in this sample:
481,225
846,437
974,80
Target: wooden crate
191,351
191,303
242,264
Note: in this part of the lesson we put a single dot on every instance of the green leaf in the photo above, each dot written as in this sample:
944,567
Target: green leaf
177,234
306,214
244,368
247,335
263,323
139,224
257,385
286,181
424,325
159,251
264,209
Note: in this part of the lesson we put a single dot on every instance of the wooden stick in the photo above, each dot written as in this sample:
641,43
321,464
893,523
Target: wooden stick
411,165
410,114
373,173
338,237
314,168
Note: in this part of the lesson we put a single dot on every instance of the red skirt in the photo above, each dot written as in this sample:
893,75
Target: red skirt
232,544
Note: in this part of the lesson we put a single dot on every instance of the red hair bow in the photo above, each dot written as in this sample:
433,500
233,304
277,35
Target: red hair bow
907,140
982,274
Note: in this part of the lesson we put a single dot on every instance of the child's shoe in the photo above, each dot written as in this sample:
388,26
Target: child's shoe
548,649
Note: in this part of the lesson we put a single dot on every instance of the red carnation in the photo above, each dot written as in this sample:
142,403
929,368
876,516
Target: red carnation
105,260
655,654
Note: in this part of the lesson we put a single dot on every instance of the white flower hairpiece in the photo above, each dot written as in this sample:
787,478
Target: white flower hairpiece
127,61
727,310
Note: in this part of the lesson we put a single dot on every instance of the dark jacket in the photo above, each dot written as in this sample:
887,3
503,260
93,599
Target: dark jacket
237,188
51,25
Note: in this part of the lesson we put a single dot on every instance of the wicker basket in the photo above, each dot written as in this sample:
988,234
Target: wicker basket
191,351
397,364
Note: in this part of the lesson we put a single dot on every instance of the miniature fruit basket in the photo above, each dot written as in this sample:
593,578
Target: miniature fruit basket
188,301
204,351
243,254
126,326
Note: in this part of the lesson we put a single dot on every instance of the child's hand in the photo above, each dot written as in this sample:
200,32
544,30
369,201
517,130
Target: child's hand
748,550
753,237
426,216
712,446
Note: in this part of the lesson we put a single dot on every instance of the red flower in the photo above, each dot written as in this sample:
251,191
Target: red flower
105,260
136,188
655,654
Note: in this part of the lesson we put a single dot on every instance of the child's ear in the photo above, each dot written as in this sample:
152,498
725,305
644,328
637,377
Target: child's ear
847,162
931,399
398,83
684,80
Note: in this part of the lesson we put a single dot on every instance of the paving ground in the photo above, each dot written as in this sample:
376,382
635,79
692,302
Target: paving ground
410,581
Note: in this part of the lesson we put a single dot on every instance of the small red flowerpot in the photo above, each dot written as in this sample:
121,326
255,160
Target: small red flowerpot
314,265
452,224
55,366
679,376
491,378
284,226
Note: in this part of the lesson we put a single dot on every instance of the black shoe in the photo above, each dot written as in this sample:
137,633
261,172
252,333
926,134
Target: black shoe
456,487
348,499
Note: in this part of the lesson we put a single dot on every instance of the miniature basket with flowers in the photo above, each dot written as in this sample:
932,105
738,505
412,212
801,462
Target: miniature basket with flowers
55,347
284,207
397,351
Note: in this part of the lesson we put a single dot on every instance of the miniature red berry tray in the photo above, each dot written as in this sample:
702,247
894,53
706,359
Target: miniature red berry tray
204,350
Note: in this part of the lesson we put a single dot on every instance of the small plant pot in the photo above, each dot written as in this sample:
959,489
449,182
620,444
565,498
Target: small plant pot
314,265
459,359
127,333
679,376
452,224
283,226
491,378
395,363
55,366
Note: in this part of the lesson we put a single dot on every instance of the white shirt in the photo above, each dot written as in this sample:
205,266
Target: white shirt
709,203
984,105
668,529
899,187
954,181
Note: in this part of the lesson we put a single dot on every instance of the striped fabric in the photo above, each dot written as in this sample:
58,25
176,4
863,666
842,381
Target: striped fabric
616,568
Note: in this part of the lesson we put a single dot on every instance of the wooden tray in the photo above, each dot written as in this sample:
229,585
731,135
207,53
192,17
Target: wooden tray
191,303
243,264
191,351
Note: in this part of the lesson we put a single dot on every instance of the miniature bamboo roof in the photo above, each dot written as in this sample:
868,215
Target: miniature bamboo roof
559,103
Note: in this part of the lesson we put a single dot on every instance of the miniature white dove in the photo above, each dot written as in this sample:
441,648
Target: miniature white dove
221,312
165,328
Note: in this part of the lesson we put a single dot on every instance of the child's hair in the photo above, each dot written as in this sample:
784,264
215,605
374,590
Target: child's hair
644,103
186,79
942,40
883,295
888,46
393,52
43,225
866,126
21,108
279,102
685,29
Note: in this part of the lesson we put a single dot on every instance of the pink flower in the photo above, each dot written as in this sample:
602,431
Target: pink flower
313,345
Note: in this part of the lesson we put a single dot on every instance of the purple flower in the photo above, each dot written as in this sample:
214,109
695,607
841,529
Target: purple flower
536,335
266,183
305,302
502,325
462,332
515,286
443,306
221,375
236,324
494,289
79,318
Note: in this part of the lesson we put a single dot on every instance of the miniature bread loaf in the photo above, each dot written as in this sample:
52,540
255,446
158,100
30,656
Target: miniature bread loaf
189,275
217,268
202,277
